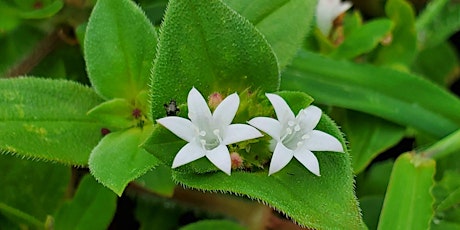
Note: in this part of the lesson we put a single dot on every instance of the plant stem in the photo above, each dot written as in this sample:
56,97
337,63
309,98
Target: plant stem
21,215
444,147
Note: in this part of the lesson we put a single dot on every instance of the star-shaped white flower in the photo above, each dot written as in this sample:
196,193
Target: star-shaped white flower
295,135
327,11
208,134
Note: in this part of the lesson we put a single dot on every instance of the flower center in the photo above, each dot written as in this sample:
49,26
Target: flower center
293,136
209,140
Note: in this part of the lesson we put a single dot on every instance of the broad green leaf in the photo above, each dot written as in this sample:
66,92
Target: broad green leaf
209,46
363,39
154,214
31,190
92,207
381,92
369,136
120,46
401,51
439,63
408,201
46,119
45,11
158,180
213,224
284,23
438,22
118,159
325,202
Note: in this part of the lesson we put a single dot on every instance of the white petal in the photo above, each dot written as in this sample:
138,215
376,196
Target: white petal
309,117
197,106
226,110
268,125
187,154
308,159
220,157
182,127
321,141
281,157
341,8
238,132
282,109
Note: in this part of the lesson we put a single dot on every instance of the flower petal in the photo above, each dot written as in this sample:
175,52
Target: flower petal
321,141
220,157
308,159
197,106
309,117
268,125
281,157
226,110
187,154
282,109
239,132
181,127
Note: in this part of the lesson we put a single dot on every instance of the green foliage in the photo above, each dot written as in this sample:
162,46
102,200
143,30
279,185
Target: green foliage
207,45
92,207
372,90
285,191
447,194
117,159
47,120
30,190
284,23
118,62
408,201
213,224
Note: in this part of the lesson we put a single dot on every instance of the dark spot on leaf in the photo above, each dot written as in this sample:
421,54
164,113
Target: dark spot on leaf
38,5
137,113
171,108
105,131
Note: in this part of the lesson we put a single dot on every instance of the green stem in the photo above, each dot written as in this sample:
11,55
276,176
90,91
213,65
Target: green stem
4,208
444,147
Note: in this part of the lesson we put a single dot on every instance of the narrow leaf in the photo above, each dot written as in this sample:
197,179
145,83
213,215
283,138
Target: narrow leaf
93,207
46,119
284,23
118,159
377,91
408,201
118,58
209,46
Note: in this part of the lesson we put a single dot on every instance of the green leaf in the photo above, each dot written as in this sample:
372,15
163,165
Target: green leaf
377,91
439,63
158,181
408,201
31,190
284,23
363,39
438,22
46,11
92,207
213,224
46,119
209,46
402,50
120,46
447,194
325,202
369,136
371,206
114,114
374,182
118,159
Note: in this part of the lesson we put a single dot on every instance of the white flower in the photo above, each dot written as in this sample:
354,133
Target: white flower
295,135
208,134
327,11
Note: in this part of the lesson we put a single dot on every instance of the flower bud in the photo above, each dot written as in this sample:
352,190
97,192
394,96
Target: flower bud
237,160
214,100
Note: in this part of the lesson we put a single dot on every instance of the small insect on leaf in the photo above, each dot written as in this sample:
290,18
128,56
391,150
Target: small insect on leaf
171,108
